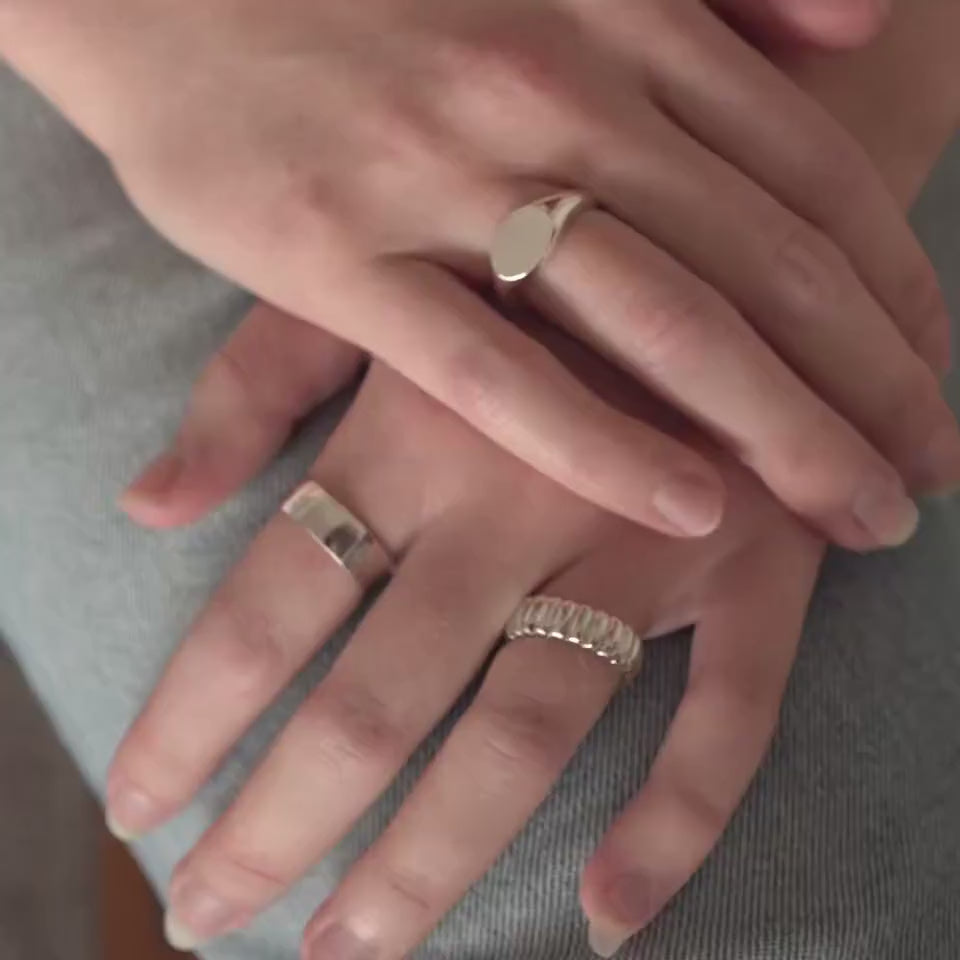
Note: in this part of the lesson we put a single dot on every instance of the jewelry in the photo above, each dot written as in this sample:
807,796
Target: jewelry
339,532
600,633
525,238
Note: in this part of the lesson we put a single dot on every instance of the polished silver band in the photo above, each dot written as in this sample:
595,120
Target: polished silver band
525,238
599,633
339,532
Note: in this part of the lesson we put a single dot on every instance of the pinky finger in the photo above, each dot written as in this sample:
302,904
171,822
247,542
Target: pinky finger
272,372
742,655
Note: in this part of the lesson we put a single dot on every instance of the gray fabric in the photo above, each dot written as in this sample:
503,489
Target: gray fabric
848,845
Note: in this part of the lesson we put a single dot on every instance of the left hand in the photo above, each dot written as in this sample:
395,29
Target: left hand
475,532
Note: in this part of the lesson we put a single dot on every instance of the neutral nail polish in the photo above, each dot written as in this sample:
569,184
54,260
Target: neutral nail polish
130,811
198,914
692,504
606,939
886,513
339,943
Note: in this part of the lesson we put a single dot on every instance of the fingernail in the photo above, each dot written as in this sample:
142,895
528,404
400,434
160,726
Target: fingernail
938,466
339,943
198,914
159,478
691,504
606,939
887,513
130,811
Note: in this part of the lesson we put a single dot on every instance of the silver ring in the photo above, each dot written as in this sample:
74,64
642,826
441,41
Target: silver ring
525,238
339,532
600,633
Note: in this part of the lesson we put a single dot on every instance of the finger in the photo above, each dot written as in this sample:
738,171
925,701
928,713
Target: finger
518,394
741,106
272,372
796,288
845,24
412,656
279,604
614,288
538,701
742,655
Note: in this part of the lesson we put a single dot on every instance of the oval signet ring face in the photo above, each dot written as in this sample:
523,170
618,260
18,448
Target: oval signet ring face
525,238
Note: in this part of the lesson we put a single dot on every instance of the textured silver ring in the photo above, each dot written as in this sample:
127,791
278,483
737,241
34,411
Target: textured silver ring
345,538
525,238
600,633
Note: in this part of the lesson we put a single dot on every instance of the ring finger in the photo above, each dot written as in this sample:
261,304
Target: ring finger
612,287
411,657
538,701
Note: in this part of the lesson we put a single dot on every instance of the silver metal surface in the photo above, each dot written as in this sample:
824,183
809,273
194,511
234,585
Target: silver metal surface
339,532
525,238
600,633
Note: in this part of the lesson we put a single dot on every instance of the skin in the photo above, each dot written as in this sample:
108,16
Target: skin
475,531
349,163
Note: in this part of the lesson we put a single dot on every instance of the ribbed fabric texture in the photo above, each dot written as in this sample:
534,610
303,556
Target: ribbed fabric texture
848,845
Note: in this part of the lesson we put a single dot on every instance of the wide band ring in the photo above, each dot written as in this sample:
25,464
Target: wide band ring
339,532
525,238
600,633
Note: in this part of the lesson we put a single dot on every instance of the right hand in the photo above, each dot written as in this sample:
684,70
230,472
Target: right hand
349,160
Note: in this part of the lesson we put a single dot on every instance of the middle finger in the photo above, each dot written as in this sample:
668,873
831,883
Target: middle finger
409,660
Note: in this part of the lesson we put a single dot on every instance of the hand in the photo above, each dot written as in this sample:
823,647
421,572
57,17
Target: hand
825,23
349,161
475,531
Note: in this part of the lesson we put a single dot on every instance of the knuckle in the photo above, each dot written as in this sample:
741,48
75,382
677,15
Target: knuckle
836,174
402,147
411,887
670,333
921,302
242,875
228,375
521,739
809,271
506,72
706,813
910,408
351,725
477,380
245,646
808,458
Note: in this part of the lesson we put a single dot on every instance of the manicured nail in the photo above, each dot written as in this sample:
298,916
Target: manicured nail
339,943
178,936
887,513
158,479
198,914
691,504
130,811
606,939
938,466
